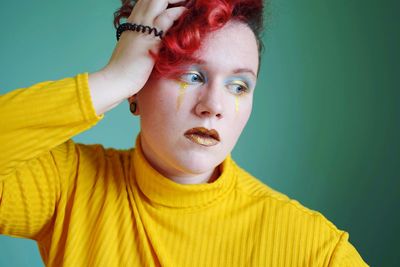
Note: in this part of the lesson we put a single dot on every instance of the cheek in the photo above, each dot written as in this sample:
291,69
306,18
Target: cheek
242,106
160,120
248,108
242,116
158,101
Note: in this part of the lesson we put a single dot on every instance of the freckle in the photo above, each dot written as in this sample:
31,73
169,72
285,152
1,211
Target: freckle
182,89
237,103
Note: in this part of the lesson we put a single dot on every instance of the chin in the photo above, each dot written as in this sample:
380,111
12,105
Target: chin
198,163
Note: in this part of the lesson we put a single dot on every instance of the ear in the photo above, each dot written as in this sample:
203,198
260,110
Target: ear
132,99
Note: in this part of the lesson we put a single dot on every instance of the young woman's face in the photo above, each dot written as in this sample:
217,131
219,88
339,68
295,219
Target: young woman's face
189,124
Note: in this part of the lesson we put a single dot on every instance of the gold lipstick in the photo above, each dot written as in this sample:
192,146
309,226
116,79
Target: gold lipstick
203,136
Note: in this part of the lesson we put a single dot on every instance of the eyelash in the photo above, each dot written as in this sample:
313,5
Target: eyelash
245,88
187,78
184,77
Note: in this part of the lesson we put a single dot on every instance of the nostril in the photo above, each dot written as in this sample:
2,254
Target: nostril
219,115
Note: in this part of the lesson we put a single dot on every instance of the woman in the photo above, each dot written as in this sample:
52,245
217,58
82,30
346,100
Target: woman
177,198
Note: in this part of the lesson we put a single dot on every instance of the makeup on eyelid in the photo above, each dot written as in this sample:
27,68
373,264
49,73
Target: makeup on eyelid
243,81
185,80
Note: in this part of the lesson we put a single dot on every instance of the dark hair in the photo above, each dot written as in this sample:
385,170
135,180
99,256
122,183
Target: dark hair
202,17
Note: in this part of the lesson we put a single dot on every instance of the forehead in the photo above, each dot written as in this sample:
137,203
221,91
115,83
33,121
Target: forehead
232,47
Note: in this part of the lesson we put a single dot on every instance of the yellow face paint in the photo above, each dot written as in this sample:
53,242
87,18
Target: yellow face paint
182,89
237,103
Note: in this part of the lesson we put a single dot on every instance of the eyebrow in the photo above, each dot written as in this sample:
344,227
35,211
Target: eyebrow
241,70
235,71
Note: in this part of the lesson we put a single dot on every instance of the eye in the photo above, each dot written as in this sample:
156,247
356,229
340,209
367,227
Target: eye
238,87
192,77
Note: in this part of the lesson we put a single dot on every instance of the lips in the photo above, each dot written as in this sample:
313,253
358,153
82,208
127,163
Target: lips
203,136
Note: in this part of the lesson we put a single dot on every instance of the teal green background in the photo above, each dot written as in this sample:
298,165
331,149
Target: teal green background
325,124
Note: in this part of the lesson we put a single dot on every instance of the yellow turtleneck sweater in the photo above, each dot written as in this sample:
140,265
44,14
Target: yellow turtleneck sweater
90,206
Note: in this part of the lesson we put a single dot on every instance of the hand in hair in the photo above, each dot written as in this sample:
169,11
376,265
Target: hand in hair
131,62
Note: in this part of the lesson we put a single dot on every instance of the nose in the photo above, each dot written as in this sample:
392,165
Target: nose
210,102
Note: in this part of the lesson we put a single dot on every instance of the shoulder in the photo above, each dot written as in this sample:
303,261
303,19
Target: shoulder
93,153
287,223
253,187
90,161
283,209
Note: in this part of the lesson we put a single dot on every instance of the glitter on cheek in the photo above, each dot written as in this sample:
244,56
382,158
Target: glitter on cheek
237,103
182,89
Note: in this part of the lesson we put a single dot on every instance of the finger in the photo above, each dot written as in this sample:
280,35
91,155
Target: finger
153,9
163,4
138,11
176,1
165,20
156,7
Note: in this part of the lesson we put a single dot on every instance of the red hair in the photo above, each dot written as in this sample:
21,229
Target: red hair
187,33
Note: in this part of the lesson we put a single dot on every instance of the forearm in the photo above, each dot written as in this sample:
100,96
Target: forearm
106,92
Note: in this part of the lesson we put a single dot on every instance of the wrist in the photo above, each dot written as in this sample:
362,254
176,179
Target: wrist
106,91
117,81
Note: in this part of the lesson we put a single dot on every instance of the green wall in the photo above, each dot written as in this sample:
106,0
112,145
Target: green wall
325,124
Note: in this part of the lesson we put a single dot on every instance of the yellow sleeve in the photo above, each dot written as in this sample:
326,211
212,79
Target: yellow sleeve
37,157
345,255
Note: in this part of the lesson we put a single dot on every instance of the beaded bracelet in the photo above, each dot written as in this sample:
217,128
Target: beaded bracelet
138,28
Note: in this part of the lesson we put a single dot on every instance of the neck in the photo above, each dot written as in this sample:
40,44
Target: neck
198,179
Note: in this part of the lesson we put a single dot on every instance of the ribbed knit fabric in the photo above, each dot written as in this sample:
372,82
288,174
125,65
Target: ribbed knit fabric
90,206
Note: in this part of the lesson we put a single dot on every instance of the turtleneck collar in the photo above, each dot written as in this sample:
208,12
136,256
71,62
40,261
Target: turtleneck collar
163,191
